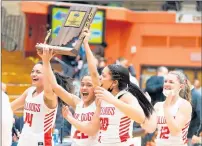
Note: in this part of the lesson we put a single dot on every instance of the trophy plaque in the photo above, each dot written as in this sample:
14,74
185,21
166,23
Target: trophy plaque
70,38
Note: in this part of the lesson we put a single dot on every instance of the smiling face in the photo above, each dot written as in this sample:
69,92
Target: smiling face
87,90
37,75
172,84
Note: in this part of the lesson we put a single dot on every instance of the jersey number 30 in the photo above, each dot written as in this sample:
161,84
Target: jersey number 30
104,122
28,119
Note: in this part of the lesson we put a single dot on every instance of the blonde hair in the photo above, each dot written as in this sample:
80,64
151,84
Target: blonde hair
185,92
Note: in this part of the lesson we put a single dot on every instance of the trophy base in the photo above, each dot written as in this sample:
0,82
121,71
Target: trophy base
58,50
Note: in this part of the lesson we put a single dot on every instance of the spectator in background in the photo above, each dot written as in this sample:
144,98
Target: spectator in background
154,85
101,64
61,124
197,86
162,71
84,69
124,62
80,59
70,63
197,139
100,49
15,132
19,123
196,115
82,53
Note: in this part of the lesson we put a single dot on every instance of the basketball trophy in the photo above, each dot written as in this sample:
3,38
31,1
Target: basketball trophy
70,38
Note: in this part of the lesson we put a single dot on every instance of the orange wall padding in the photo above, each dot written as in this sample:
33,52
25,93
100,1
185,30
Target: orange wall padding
158,39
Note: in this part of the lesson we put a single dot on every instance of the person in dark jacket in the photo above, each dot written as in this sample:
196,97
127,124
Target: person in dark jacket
154,87
197,139
194,127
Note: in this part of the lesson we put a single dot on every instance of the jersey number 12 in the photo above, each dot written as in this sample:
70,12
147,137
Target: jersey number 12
164,132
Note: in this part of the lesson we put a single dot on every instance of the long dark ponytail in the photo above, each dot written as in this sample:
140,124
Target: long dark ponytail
142,99
121,74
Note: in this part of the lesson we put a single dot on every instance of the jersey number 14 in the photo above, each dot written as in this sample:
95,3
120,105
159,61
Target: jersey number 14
28,119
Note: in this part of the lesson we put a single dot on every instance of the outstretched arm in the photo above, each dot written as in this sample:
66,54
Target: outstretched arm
91,60
67,97
19,102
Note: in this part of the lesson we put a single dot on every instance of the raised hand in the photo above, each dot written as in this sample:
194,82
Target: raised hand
103,94
66,112
168,101
98,102
46,54
196,140
86,34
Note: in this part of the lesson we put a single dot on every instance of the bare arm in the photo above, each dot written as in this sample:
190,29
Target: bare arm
128,104
50,98
71,99
176,124
67,97
150,124
91,62
20,101
130,107
90,128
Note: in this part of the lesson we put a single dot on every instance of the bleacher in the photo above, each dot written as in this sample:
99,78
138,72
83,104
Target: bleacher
16,74
16,71
16,68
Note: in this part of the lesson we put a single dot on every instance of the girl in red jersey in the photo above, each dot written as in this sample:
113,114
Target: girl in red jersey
123,103
174,114
84,107
40,107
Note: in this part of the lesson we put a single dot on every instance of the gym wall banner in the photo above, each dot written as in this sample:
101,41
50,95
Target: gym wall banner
58,15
